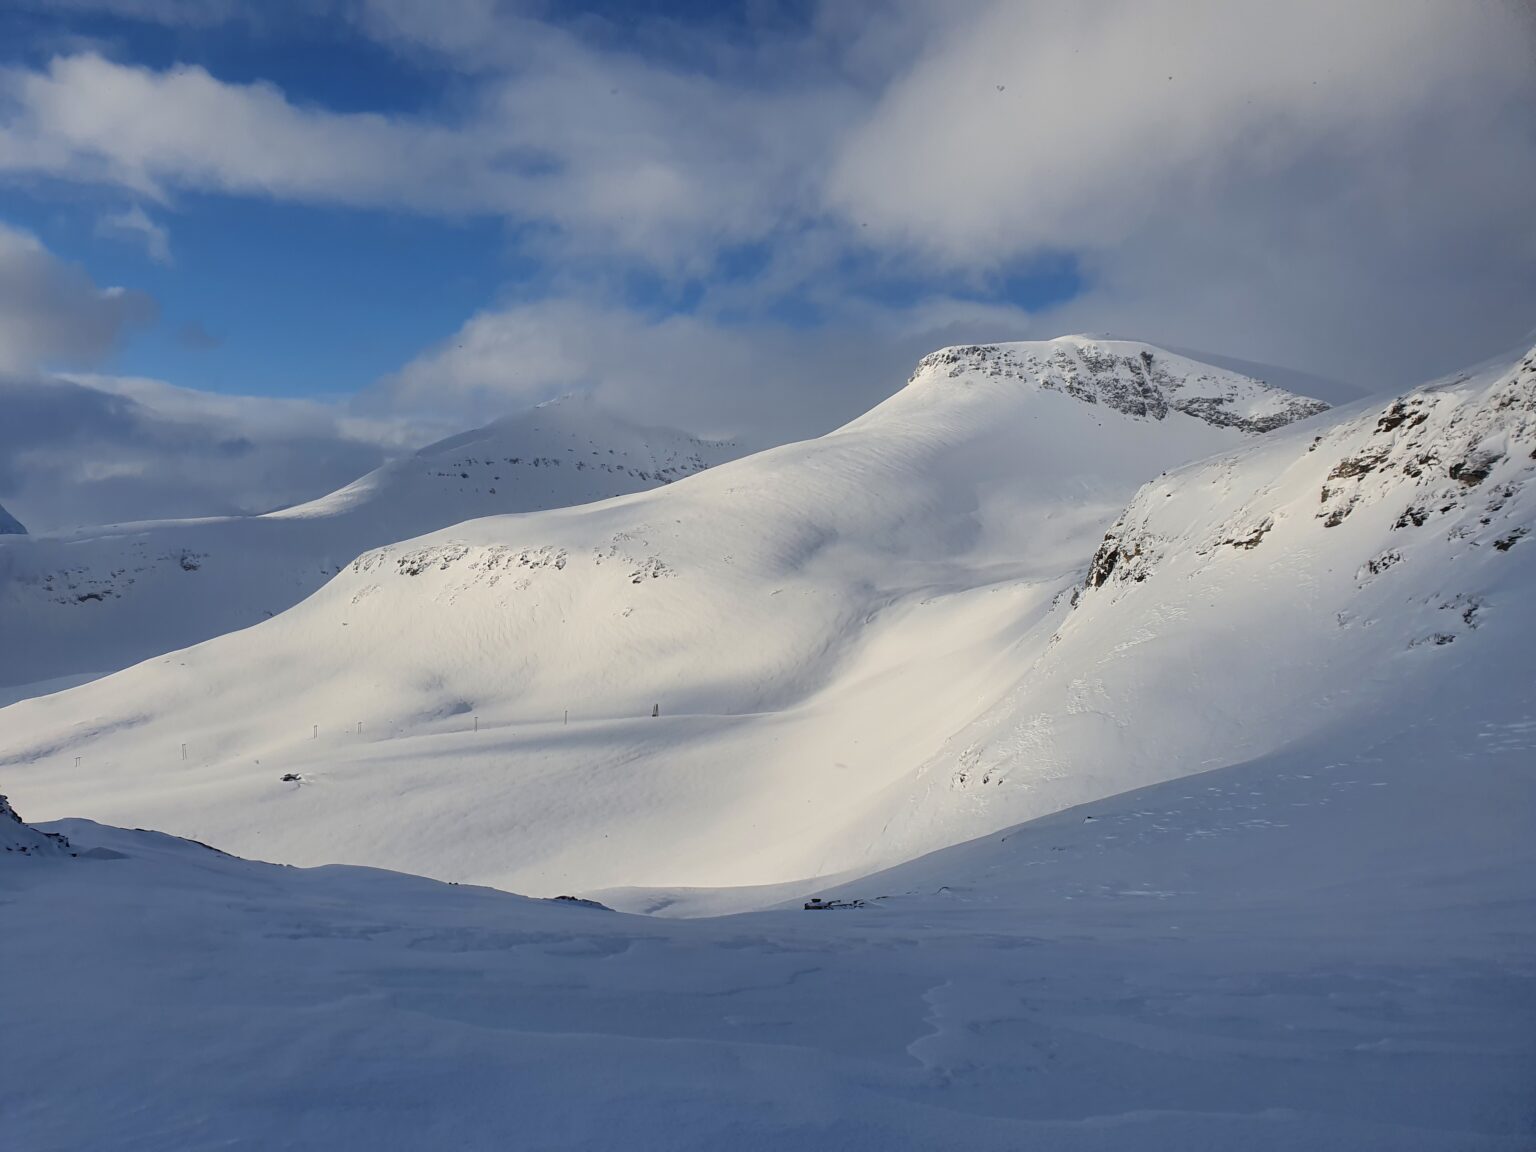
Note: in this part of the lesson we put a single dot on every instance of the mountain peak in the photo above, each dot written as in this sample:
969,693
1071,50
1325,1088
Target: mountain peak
1126,376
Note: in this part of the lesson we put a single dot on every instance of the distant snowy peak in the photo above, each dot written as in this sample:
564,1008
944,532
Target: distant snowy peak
595,439
1135,379
100,599
9,525
22,839
566,451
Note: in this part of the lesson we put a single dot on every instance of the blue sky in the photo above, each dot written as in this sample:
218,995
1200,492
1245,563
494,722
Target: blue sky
752,214
265,297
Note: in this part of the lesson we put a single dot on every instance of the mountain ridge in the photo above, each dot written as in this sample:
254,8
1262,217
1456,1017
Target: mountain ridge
95,600
813,620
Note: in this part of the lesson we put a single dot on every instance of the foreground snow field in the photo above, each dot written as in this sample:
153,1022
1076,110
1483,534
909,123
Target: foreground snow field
1334,948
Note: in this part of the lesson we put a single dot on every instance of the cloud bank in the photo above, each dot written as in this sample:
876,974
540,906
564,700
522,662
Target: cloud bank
1348,189
51,312
83,450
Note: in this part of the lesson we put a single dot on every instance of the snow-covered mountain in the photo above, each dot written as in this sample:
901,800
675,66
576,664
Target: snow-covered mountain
96,600
1302,585
9,525
1314,931
813,622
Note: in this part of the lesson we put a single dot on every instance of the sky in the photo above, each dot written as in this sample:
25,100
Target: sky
370,222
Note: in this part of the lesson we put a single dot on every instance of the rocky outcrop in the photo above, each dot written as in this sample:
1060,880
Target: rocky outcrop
1133,379
1460,457
21,839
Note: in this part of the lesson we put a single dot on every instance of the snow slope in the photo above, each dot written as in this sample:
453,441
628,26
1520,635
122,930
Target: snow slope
9,525
1297,587
103,598
814,622
1332,948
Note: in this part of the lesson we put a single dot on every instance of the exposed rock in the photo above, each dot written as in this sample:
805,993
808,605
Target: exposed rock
1134,380
20,838
580,902
1251,540
1381,563
1402,412
1394,455
1474,471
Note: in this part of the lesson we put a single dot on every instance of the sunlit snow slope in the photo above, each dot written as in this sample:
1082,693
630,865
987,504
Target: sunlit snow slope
1299,586
813,622
96,600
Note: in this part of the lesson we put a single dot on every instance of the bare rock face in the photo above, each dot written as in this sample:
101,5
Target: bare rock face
1453,464
20,838
1132,379
9,525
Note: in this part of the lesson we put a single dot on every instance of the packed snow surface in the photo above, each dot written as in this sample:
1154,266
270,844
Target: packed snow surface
96,600
1332,948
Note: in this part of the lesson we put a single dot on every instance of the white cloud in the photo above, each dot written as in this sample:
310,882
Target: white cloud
617,153
1349,187
135,224
1057,125
51,312
89,118
81,450
761,383
1345,186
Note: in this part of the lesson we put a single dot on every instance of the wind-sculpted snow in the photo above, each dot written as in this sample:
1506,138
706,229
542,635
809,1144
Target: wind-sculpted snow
97,600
